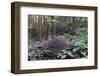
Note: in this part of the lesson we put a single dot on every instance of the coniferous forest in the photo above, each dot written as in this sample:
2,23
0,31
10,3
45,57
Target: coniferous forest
57,37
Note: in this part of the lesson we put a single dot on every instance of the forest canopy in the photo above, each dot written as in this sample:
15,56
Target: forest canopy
57,37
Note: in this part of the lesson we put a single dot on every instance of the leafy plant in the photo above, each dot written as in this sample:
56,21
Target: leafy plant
80,41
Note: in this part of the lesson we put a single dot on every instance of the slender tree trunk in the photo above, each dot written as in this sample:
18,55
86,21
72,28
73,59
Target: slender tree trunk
52,27
40,28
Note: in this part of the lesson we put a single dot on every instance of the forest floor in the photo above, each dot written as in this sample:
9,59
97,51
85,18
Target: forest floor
53,48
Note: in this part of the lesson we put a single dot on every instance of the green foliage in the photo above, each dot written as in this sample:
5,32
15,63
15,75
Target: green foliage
33,32
80,39
51,19
40,54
